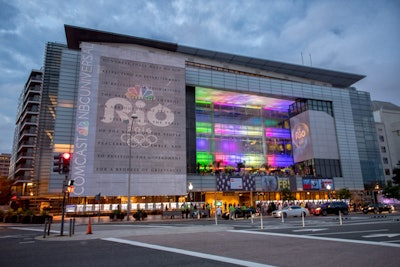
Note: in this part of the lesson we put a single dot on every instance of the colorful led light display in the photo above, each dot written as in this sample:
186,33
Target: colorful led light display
229,129
243,100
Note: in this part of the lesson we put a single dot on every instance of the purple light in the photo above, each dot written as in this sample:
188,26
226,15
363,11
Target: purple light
202,144
277,133
279,160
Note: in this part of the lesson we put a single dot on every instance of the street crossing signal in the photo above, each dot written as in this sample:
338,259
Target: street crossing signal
61,163
66,158
57,163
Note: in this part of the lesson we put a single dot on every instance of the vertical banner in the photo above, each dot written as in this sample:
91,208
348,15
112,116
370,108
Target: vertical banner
116,83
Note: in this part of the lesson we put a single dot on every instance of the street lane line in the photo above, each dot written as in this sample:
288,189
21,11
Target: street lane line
319,238
380,235
310,230
352,232
189,253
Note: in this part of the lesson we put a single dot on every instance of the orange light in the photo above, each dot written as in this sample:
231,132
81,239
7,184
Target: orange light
70,189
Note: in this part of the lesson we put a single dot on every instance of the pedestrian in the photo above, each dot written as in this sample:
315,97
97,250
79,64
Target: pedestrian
219,211
183,210
208,210
232,212
187,210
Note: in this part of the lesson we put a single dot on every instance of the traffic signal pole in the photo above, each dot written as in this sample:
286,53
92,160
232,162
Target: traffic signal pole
62,165
63,204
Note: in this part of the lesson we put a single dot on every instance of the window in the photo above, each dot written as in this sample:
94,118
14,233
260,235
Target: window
381,138
383,149
387,171
385,161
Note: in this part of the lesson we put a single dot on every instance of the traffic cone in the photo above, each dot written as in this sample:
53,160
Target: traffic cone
89,228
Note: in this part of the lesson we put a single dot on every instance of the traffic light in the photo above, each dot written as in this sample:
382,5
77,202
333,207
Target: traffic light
65,158
57,163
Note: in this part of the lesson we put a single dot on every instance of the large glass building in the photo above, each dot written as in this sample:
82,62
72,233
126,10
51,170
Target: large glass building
145,118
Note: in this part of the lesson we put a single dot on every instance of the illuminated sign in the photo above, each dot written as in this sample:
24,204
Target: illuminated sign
300,135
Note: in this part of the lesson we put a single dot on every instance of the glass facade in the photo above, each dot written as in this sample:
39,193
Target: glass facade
367,140
47,118
230,135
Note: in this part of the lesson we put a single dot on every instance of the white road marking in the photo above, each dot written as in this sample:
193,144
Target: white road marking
310,230
27,242
189,253
352,232
380,235
320,238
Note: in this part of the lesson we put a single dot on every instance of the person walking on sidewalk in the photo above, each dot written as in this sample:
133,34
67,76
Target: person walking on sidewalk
232,212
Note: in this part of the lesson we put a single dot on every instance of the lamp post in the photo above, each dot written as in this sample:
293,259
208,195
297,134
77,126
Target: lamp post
133,117
329,191
375,193
190,187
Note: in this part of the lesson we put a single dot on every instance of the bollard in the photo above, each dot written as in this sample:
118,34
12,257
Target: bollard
49,225
340,218
262,223
70,227
283,220
45,228
251,216
302,218
73,226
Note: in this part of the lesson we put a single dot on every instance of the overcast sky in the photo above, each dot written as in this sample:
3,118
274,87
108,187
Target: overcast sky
361,37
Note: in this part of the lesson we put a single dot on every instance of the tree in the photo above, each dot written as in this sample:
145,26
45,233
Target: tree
391,191
344,193
5,190
287,194
396,172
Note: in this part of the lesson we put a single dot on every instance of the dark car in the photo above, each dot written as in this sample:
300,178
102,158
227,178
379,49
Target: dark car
240,214
332,208
377,208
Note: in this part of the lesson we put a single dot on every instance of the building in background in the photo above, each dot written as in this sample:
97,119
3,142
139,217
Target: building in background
5,190
4,164
25,150
387,122
163,116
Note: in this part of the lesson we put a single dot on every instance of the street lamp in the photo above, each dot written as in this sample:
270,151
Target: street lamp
133,117
375,192
329,191
190,187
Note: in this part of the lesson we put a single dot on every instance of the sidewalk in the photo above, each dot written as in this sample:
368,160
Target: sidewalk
103,227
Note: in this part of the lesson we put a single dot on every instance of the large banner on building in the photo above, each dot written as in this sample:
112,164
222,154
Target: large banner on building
116,83
301,137
273,183
313,136
318,184
235,182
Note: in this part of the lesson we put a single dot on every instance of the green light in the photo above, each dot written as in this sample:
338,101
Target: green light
203,127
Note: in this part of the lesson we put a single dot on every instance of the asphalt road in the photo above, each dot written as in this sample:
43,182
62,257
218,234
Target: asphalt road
318,241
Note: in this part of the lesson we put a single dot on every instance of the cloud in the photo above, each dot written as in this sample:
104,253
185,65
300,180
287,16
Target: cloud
358,36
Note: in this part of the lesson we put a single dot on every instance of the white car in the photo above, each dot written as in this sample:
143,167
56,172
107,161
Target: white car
294,211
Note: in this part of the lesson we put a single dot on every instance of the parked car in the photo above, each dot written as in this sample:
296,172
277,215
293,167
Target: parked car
332,208
239,213
377,208
248,212
291,211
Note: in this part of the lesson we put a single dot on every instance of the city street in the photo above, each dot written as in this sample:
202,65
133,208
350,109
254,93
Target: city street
361,240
